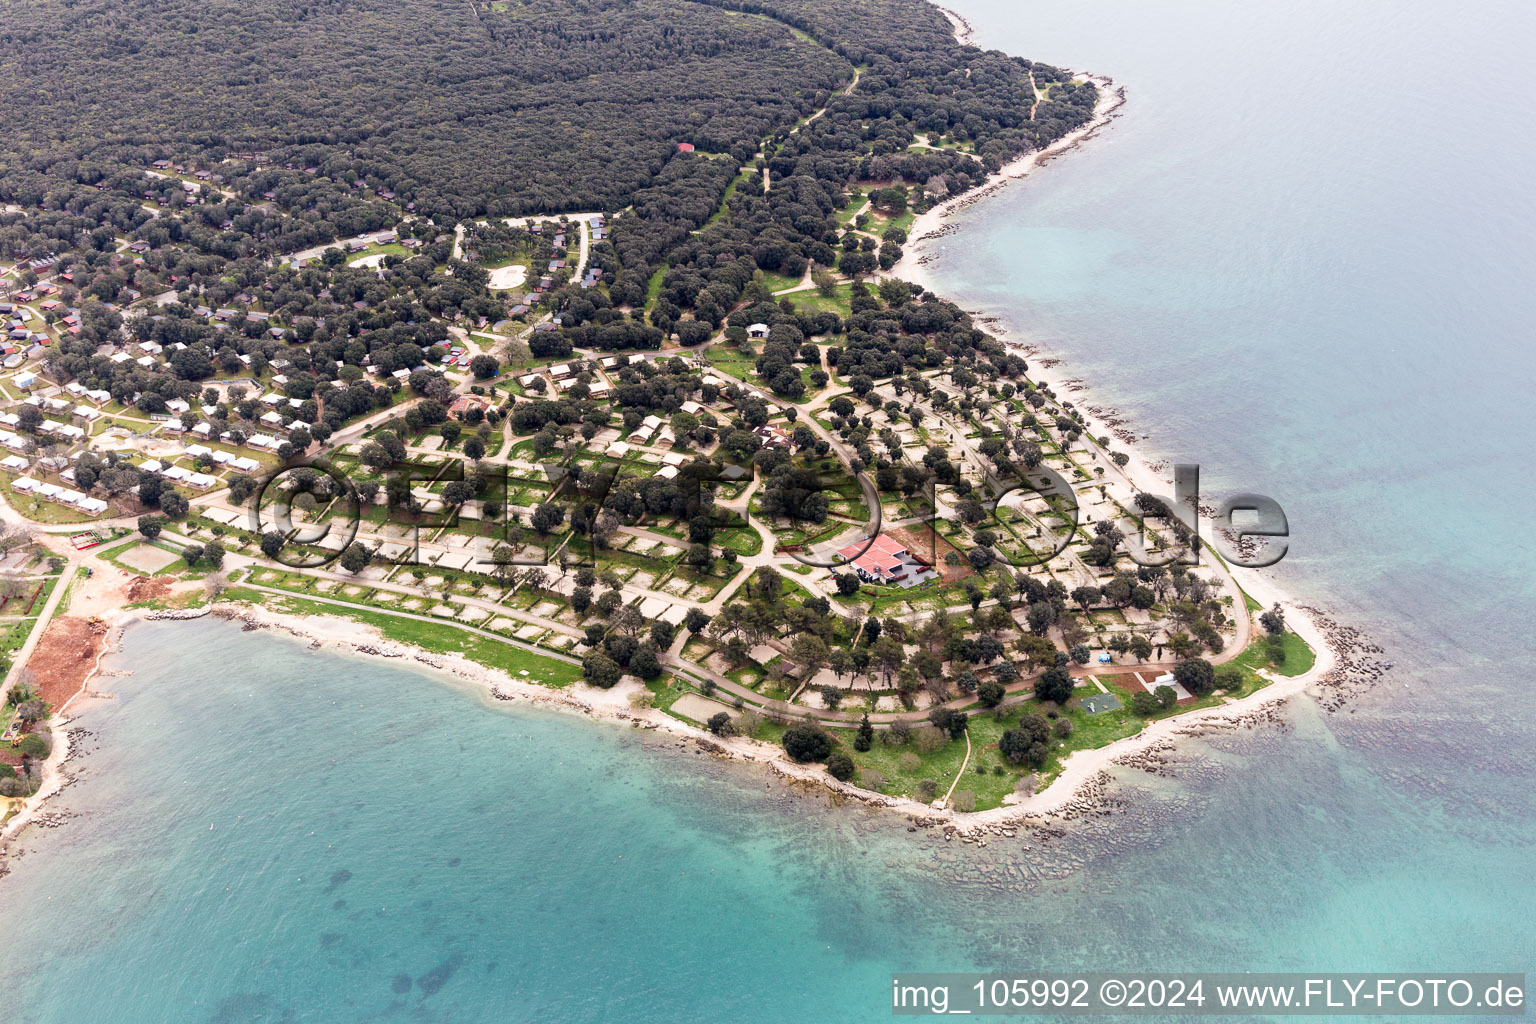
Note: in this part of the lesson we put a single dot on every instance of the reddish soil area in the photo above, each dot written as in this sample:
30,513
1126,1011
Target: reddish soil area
142,588
924,543
65,656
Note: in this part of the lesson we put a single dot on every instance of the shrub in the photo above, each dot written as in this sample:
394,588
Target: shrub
1063,727
748,723
930,739
1144,703
910,762
720,724
865,737
840,766
871,779
963,800
949,720
1197,675
644,663
927,789
1274,646
1029,743
807,743
34,745
600,670
1055,685
899,732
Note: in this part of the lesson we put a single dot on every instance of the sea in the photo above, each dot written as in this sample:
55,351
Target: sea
1300,258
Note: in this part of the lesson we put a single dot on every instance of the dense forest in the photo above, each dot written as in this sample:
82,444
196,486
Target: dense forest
539,107
469,108
724,138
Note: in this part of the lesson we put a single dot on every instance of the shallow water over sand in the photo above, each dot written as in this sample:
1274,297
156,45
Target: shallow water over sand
385,844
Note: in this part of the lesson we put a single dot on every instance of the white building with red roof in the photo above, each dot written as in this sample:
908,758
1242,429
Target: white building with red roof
887,560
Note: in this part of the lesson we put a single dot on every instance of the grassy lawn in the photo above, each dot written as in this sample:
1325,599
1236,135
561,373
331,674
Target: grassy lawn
878,222
778,282
856,203
1299,658
904,767
988,775
732,362
839,302
114,555
902,780
653,287
386,249
665,690
439,638
13,635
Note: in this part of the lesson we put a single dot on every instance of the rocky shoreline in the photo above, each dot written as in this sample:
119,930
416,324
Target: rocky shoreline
1349,663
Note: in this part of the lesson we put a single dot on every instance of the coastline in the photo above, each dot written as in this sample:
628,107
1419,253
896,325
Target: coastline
965,35
930,224
349,638
1078,790
1085,773
1087,770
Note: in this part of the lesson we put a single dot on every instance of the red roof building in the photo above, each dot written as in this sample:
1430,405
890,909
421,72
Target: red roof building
886,560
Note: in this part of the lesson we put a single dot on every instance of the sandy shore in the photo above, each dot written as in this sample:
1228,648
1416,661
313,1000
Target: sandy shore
964,34
1086,771
1078,790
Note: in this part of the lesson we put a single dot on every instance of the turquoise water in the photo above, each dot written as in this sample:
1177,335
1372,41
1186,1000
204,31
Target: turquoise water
1299,260
334,839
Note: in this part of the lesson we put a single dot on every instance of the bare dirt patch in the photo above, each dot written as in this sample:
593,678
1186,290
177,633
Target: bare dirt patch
147,558
503,278
142,588
925,543
65,655
701,709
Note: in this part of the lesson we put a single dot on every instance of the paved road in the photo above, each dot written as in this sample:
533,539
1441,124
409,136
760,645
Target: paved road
340,243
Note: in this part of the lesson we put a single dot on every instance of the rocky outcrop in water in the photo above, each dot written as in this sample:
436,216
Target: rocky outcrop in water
178,613
1358,662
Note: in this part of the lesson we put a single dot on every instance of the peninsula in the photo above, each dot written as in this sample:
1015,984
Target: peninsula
657,420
